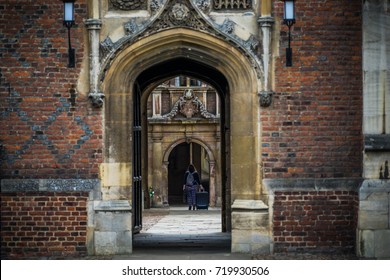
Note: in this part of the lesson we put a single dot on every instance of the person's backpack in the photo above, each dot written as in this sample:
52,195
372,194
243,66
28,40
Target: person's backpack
190,179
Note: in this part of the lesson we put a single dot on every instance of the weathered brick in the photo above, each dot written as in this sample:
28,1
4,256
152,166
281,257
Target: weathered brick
32,229
318,228
314,110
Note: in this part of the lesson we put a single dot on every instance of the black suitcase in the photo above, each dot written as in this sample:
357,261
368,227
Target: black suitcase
202,200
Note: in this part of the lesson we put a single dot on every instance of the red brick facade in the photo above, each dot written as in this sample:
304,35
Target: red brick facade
48,128
315,221
43,224
313,128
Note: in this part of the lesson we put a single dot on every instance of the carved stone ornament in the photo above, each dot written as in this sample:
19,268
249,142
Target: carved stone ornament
189,106
155,5
265,98
130,27
203,4
232,4
252,43
228,26
128,5
179,12
96,99
106,46
183,14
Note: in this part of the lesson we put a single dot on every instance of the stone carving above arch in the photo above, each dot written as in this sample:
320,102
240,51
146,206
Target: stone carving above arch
182,14
179,13
131,27
189,106
203,4
155,5
106,46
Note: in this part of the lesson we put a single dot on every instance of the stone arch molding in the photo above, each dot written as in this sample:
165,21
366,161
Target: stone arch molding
123,75
241,103
184,140
185,43
179,14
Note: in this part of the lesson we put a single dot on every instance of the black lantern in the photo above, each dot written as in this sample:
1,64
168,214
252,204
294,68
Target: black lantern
68,23
289,20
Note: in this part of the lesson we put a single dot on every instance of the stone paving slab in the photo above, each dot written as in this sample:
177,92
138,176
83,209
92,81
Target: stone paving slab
183,234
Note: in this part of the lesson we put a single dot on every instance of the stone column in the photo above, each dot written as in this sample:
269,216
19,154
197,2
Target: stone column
164,183
265,23
212,184
96,96
265,7
157,168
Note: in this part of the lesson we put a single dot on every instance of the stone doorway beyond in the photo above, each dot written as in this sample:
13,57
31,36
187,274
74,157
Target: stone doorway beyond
179,159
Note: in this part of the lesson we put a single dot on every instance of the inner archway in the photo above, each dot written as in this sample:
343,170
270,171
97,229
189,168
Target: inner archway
183,125
179,159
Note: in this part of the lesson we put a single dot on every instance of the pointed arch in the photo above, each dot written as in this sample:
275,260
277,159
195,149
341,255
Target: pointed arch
140,67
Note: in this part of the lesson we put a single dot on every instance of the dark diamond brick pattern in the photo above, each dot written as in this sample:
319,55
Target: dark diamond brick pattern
48,128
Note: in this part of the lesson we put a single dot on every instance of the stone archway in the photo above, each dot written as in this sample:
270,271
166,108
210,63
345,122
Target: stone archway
143,65
214,173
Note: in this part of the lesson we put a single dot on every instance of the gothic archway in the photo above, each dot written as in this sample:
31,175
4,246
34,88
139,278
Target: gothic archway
140,67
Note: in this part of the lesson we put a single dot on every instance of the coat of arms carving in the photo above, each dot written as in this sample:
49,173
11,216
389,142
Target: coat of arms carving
189,106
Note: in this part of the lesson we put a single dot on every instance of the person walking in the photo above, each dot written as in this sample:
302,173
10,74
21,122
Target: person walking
190,186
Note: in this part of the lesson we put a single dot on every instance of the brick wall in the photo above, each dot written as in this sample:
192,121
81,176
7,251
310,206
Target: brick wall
43,224
313,128
315,221
48,127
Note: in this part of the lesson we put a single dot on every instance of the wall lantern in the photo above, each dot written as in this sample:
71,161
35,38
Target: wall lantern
289,20
68,23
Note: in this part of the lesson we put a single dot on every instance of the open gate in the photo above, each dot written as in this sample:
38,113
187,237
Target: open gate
137,164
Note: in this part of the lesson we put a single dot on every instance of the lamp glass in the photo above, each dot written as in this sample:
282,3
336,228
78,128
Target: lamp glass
289,10
68,11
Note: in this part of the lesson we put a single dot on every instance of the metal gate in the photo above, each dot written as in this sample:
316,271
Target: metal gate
137,164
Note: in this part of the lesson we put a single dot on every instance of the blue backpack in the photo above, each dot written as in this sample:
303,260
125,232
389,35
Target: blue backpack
190,179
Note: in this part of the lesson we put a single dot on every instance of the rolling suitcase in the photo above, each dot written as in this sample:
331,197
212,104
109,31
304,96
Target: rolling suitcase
202,200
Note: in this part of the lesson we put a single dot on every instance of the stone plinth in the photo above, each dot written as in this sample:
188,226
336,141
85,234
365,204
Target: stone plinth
113,227
373,233
250,227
